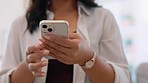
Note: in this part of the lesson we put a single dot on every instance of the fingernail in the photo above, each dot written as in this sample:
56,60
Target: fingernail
42,45
43,74
47,37
45,63
46,52
37,46
42,40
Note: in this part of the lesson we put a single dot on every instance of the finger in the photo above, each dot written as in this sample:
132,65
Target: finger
62,58
58,40
74,36
35,56
58,50
57,47
54,53
52,50
57,54
33,48
39,74
36,66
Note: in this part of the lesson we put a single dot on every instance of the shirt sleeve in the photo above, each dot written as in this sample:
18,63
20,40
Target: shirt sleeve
111,48
12,56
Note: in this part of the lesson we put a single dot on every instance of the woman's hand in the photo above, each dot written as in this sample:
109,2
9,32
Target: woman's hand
74,50
34,55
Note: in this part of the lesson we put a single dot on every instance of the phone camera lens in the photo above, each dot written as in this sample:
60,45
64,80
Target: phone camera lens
50,29
44,26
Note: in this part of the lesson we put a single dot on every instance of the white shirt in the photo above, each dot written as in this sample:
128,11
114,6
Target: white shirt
96,25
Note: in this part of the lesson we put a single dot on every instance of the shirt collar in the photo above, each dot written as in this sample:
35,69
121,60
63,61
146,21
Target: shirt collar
83,8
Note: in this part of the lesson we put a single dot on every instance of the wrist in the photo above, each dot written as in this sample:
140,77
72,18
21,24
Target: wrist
89,63
25,63
86,58
22,71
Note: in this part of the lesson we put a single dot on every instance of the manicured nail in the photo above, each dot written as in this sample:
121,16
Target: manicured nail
45,63
42,40
42,45
43,74
37,46
46,52
47,37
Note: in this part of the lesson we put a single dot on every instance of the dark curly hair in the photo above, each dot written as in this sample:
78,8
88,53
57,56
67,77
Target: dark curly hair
37,12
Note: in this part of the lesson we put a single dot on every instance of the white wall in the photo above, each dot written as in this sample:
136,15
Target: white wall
9,10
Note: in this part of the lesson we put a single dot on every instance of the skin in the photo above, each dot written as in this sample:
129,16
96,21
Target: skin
75,51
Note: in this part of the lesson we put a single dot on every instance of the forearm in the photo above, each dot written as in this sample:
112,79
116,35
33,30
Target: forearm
22,74
101,72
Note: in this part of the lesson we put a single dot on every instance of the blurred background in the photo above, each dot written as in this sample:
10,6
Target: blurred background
131,15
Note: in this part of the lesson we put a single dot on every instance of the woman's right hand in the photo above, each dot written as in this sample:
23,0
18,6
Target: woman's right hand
34,60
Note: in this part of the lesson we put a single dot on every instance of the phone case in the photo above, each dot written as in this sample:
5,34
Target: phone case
55,27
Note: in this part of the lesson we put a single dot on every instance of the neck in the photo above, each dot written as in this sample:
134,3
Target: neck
63,5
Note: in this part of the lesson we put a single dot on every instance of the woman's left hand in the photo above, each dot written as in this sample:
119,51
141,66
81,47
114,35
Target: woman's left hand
74,50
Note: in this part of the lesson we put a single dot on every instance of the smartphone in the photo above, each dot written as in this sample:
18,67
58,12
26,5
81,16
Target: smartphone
54,27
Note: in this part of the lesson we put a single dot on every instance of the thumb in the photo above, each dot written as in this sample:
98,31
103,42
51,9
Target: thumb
74,36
